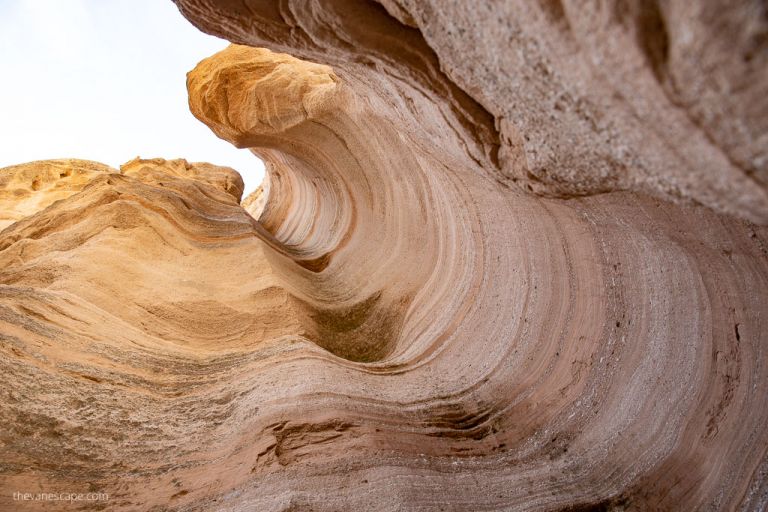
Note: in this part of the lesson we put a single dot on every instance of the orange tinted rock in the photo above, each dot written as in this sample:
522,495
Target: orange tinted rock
394,322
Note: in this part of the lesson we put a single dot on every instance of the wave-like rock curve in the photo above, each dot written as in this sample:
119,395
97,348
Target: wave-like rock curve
391,323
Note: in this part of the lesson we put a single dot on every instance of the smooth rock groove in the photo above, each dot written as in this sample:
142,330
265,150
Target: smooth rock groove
408,315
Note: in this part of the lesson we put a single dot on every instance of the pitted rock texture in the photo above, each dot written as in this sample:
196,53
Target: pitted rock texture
28,188
390,323
567,97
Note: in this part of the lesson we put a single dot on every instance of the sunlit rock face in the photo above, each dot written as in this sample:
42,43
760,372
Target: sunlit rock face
427,305
28,188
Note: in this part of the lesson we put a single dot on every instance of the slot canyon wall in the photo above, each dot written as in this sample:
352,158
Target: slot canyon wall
508,256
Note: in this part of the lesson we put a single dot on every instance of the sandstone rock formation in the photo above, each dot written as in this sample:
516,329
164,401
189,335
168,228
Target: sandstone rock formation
563,97
28,188
449,294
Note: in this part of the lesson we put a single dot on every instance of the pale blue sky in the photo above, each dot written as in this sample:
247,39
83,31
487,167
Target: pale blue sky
104,80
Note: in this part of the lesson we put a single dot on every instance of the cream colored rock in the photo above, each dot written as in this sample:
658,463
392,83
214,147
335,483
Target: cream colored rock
398,326
255,202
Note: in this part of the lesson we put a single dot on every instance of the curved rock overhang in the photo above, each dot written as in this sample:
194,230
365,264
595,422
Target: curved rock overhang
416,318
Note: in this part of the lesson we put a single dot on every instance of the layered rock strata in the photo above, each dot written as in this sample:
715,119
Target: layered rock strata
28,188
563,97
396,320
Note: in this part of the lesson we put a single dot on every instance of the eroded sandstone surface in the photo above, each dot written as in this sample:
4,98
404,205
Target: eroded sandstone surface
449,293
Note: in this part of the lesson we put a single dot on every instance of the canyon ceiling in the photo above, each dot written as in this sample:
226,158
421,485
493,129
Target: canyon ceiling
509,255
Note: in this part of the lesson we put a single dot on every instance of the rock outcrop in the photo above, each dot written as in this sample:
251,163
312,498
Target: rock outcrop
28,188
449,294
565,98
